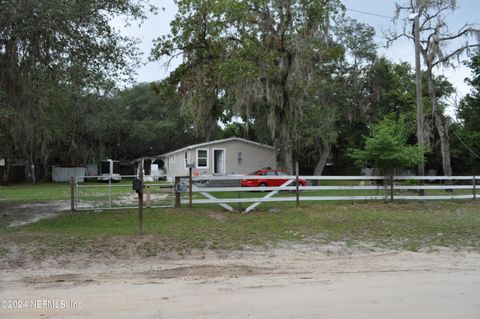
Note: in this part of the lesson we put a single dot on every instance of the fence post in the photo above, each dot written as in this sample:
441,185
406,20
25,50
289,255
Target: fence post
149,200
474,187
385,188
177,192
240,208
140,202
391,187
421,192
72,193
190,187
296,184
110,192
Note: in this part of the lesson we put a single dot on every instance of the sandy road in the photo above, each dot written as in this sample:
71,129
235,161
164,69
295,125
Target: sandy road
286,283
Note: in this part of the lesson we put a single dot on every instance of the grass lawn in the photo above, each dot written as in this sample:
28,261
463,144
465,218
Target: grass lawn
398,225
410,226
39,192
50,191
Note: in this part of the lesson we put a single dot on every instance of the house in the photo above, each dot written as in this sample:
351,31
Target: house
230,156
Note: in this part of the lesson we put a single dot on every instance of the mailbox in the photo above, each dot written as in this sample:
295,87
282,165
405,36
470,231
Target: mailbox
137,185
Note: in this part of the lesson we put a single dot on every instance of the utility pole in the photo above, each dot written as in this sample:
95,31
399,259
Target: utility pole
418,79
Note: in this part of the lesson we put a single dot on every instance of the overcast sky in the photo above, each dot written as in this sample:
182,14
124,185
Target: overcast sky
402,50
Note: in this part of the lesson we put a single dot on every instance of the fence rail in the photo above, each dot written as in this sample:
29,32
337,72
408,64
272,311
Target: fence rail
201,190
332,177
199,186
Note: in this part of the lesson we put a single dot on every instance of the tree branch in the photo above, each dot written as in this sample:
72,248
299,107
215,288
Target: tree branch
431,17
399,36
460,33
454,53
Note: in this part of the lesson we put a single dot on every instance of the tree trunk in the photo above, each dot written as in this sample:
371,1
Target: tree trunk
323,158
6,172
32,168
442,128
283,150
282,135
47,172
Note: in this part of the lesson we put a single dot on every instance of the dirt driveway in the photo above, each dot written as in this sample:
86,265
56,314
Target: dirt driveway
282,283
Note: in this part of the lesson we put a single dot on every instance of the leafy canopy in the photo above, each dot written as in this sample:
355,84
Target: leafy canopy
250,57
55,55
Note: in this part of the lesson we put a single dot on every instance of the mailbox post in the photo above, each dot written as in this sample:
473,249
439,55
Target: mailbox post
137,186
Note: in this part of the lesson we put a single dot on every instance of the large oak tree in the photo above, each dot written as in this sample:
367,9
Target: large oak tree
255,56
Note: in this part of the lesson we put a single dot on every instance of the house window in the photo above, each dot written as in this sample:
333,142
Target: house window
173,159
185,159
202,158
240,159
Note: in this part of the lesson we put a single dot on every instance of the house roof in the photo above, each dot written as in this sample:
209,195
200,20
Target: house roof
216,142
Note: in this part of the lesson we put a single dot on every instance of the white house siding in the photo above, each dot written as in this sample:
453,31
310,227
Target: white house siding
253,157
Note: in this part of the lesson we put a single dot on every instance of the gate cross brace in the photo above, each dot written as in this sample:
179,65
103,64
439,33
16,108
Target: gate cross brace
224,205
271,194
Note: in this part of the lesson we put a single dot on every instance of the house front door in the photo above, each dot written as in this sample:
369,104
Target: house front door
219,162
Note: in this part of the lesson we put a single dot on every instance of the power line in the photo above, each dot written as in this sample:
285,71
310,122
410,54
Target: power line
370,13
468,148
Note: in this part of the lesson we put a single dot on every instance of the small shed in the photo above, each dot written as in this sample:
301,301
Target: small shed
17,171
63,174
230,156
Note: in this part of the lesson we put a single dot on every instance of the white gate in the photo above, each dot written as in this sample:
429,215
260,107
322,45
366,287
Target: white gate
89,193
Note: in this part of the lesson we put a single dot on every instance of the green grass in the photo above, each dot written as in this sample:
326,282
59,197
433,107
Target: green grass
39,192
43,192
410,226
399,225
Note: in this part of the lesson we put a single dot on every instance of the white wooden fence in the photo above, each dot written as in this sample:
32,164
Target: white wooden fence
467,184
402,188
